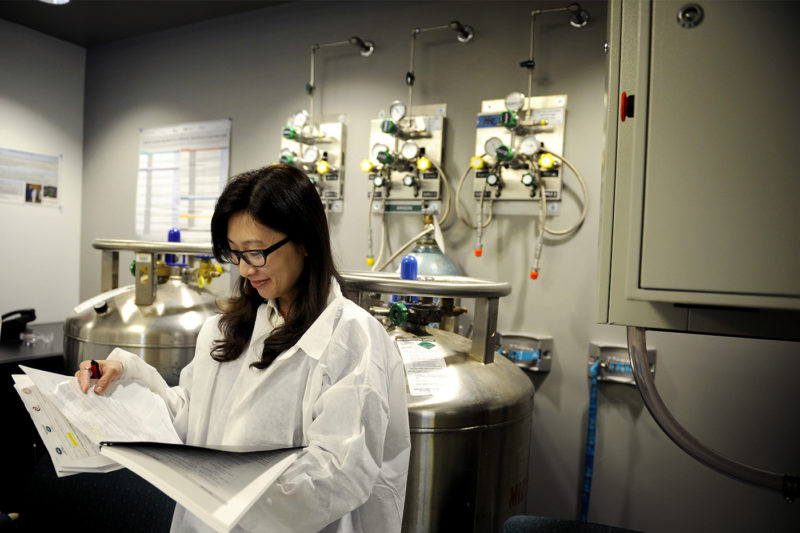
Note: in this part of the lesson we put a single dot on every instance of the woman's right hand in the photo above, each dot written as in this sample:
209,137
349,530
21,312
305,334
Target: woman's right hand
110,371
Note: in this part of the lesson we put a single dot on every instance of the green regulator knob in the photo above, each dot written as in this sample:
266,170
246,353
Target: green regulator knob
398,314
133,268
508,119
289,133
388,126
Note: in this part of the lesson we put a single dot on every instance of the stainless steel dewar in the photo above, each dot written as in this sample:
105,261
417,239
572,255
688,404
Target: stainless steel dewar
158,317
470,441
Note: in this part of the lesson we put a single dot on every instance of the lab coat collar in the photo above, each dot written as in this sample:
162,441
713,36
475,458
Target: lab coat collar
315,339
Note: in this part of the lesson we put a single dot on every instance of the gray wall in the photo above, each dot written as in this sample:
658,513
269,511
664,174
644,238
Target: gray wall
736,395
41,111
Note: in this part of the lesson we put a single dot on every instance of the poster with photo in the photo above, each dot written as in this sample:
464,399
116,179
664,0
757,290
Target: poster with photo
28,178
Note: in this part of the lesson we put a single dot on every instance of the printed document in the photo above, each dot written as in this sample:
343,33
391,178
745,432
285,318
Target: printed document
130,426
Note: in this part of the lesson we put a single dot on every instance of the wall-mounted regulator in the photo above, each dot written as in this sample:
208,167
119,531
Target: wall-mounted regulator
404,165
318,147
405,154
518,159
515,139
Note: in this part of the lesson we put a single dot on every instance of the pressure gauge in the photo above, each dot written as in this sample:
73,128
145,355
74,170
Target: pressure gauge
299,119
491,146
409,150
528,145
310,155
397,110
377,149
515,101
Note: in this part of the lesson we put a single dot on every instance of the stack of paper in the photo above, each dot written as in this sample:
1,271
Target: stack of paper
130,426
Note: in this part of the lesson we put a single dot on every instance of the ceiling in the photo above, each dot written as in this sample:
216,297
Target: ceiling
90,23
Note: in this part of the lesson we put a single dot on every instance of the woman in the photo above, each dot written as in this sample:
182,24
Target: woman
290,362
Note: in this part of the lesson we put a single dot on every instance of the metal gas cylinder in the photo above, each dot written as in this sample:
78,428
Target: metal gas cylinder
471,430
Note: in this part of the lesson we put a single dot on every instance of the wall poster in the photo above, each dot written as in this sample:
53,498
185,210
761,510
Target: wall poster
28,178
182,171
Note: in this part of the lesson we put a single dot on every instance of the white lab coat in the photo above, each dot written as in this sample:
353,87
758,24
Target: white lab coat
340,392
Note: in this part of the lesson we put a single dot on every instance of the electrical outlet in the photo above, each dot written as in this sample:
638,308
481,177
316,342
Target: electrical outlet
615,363
529,352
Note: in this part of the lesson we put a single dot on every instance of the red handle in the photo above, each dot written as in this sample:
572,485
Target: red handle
623,106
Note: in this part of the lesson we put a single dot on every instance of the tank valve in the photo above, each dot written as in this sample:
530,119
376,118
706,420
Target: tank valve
398,314
206,272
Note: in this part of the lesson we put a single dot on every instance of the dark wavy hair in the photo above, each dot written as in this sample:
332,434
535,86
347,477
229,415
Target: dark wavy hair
282,198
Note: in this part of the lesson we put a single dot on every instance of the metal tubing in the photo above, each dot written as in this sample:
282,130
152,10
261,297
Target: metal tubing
637,349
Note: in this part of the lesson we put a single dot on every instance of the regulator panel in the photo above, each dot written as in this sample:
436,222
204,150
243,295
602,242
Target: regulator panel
404,153
318,151
515,138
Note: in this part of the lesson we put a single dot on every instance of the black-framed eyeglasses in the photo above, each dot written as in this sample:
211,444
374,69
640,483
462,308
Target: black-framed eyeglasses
254,258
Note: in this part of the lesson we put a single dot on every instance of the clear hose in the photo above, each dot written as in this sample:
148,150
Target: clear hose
637,350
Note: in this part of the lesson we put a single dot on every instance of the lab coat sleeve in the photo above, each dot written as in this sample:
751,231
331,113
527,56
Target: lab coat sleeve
177,397
349,416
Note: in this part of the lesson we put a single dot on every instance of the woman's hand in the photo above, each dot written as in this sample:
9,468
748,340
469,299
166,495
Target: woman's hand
110,370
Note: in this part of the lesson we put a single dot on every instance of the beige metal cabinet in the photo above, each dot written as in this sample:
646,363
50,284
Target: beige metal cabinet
701,181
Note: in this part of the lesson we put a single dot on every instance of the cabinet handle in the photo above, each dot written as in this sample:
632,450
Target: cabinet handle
625,106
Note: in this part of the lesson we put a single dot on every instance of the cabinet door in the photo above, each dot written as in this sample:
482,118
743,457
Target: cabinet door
722,172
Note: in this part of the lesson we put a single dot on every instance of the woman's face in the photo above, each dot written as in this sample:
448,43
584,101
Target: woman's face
278,277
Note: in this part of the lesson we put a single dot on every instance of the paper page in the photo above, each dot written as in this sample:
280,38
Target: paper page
69,449
127,411
218,487
426,369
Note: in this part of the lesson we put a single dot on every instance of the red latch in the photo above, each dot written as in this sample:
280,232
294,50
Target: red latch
625,106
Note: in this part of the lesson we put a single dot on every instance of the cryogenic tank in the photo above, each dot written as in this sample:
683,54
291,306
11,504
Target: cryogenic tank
470,420
157,318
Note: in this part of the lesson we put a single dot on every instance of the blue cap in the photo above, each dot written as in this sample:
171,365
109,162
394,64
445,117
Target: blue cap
408,267
174,235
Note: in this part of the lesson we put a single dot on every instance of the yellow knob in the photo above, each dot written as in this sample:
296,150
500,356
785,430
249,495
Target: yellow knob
476,162
546,160
323,167
367,166
370,261
423,163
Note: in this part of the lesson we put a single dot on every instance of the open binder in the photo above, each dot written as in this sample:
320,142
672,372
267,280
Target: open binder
129,426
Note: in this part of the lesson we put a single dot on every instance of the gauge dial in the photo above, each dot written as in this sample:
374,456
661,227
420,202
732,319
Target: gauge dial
409,150
491,146
377,149
397,110
515,101
299,119
310,154
529,145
